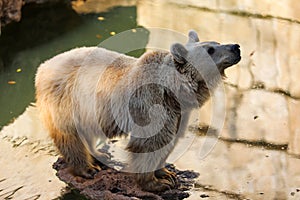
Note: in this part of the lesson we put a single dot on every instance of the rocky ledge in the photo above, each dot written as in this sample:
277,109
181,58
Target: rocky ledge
111,184
10,10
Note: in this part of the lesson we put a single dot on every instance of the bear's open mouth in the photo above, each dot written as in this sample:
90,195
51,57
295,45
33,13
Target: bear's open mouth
237,60
231,62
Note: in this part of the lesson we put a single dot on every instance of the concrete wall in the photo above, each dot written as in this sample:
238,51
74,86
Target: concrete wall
264,85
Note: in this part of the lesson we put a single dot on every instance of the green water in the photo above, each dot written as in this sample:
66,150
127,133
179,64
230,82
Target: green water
44,31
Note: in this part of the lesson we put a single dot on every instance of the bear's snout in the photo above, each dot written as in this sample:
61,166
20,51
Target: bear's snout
235,48
233,56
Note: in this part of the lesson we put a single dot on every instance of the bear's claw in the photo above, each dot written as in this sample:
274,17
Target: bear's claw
164,173
88,172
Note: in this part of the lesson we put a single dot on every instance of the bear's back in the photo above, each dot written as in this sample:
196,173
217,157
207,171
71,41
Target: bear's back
86,63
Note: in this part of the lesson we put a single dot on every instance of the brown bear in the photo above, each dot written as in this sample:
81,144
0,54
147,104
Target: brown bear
91,93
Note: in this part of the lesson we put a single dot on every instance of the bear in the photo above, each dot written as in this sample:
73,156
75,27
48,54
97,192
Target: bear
91,93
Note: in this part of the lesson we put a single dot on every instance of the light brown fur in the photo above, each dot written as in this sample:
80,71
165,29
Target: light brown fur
91,93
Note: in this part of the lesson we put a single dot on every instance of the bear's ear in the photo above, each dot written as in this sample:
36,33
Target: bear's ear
193,37
179,52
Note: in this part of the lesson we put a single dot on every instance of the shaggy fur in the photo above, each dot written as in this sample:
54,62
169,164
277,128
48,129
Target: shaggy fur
91,93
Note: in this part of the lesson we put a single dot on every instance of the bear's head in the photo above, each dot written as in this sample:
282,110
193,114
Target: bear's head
207,58
202,65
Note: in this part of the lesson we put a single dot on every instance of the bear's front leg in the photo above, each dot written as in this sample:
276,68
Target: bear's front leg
149,155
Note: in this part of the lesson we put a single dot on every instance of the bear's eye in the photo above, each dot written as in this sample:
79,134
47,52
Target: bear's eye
210,50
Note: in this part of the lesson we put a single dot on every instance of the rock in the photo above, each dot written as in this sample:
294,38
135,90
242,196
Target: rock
111,184
293,59
10,10
219,114
271,124
269,47
280,9
239,171
294,120
253,115
266,69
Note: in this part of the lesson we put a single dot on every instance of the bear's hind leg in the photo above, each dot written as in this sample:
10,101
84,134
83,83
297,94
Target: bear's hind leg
99,158
75,153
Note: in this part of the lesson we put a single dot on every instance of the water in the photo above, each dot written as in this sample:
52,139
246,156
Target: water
39,36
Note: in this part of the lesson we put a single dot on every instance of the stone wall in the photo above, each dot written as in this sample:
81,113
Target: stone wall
262,91
285,9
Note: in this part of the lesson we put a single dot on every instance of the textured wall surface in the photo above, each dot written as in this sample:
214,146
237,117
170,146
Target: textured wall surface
262,91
